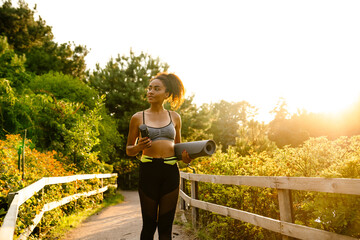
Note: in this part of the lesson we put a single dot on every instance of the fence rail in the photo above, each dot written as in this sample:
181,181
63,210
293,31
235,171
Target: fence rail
284,185
8,227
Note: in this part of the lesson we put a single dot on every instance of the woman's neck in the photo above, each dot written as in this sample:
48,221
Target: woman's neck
157,108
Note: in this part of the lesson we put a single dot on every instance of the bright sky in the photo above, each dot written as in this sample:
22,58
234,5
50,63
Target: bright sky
307,52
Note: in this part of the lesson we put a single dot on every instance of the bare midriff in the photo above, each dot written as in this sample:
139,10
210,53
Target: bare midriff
160,149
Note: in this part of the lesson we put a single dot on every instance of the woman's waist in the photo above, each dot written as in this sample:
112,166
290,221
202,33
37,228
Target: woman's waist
160,150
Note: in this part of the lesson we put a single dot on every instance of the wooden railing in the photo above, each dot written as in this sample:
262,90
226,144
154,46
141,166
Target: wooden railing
284,185
8,227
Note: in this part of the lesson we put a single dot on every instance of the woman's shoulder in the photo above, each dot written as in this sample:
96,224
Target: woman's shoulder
137,116
175,116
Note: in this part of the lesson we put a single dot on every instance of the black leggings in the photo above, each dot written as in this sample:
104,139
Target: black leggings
158,191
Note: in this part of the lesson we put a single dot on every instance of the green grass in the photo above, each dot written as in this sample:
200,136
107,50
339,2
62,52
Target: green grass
74,220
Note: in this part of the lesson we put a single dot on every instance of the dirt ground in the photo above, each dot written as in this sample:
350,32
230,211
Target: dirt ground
119,222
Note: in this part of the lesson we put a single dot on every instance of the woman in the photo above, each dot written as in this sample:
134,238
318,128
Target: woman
159,176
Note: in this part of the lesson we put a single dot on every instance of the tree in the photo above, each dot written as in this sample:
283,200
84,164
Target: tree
283,131
62,86
196,122
280,111
82,136
253,138
22,30
295,129
227,118
35,39
67,58
110,140
12,66
69,128
7,100
123,81
12,79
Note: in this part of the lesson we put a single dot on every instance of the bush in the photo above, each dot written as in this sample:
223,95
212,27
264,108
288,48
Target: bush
39,165
317,157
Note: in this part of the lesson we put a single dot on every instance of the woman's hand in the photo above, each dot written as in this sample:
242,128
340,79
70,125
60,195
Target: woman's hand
144,143
185,157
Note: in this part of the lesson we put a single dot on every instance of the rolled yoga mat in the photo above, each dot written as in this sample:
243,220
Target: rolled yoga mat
196,148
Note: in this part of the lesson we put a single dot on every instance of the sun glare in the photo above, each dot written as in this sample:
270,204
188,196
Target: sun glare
325,103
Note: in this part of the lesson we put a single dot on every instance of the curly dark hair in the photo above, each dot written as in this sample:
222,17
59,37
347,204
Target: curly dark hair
174,87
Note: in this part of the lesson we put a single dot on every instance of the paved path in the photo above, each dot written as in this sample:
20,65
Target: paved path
119,222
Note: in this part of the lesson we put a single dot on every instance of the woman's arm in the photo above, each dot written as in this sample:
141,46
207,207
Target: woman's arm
177,120
131,148
185,156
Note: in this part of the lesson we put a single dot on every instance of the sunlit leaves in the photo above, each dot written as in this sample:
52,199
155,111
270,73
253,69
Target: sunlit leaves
38,165
253,138
318,157
34,38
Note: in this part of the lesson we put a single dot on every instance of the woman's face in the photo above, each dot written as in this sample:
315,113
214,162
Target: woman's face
156,92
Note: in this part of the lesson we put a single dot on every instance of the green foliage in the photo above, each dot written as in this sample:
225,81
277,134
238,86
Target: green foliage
61,108
196,122
7,95
61,86
318,157
111,141
226,119
12,66
124,83
37,165
128,172
253,138
13,114
60,121
66,58
72,130
35,39
22,30
81,139
284,131
40,165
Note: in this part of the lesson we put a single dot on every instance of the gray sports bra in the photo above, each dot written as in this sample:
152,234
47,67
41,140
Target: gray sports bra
163,133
